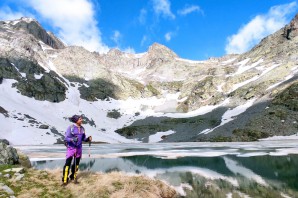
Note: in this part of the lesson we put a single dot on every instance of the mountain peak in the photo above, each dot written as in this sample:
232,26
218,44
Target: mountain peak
158,50
22,19
114,52
291,30
28,19
33,27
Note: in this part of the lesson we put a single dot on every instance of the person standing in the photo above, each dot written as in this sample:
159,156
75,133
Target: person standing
74,136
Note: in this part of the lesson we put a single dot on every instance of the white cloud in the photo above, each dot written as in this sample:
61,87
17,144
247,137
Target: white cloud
189,9
163,7
142,16
168,36
75,20
259,27
129,50
144,40
116,36
7,14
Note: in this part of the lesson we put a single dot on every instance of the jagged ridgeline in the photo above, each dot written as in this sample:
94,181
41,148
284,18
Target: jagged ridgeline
250,96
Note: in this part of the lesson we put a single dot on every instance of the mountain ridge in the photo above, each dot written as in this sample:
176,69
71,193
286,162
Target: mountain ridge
159,84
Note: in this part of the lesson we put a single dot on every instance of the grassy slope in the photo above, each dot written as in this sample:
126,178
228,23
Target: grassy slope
37,183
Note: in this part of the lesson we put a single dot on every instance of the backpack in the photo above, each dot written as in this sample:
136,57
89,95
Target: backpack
72,132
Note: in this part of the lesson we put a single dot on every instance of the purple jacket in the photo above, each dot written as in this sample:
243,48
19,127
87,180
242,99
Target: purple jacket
72,132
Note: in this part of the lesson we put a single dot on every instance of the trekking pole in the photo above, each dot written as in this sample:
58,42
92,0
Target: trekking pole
89,148
75,164
89,156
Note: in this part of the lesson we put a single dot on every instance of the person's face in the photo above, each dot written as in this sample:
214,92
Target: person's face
80,120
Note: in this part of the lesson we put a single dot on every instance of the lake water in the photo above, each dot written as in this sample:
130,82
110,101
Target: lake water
259,169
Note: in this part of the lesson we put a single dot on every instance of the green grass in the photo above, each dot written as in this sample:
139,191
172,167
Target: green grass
5,166
154,91
247,135
34,179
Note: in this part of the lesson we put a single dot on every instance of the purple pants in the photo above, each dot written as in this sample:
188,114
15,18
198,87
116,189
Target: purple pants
72,151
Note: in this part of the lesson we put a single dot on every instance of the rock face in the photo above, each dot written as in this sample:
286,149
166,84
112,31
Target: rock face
33,81
291,30
32,27
122,75
8,154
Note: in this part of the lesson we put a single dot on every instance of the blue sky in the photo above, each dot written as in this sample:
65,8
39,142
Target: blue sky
193,29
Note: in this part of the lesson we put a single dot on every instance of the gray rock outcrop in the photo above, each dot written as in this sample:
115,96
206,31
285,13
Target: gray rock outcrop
34,28
8,154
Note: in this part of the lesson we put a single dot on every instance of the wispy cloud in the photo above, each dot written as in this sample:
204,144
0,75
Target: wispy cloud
259,27
189,9
129,50
116,36
7,14
163,7
144,40
143,16
168,36
75,21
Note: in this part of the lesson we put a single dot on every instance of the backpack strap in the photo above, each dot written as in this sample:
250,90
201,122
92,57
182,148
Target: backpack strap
72,133
72,129
83,129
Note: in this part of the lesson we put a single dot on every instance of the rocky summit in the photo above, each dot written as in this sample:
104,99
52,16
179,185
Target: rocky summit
155,96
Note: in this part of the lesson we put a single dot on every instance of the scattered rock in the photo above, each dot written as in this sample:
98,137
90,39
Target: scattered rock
16,170
6,189
114,114
7,175
43,126
19,177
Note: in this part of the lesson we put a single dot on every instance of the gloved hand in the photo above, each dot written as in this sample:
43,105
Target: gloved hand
75,139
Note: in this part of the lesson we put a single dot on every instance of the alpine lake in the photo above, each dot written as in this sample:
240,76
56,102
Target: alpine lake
202,169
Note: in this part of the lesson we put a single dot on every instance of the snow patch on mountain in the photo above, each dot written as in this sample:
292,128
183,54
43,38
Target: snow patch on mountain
54,115
158,136
230,115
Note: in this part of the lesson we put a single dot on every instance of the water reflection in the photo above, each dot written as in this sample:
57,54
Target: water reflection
198,171
278,172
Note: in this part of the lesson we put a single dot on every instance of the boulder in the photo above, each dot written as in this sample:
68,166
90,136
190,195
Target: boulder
6,189
24,160
8,154
5,141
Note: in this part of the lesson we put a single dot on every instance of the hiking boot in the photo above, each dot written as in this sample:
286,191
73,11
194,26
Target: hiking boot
64,184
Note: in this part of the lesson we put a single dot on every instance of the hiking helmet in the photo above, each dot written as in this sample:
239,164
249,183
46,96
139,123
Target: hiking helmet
75,118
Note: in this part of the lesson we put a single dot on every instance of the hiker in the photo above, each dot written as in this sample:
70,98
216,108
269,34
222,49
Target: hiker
74,136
